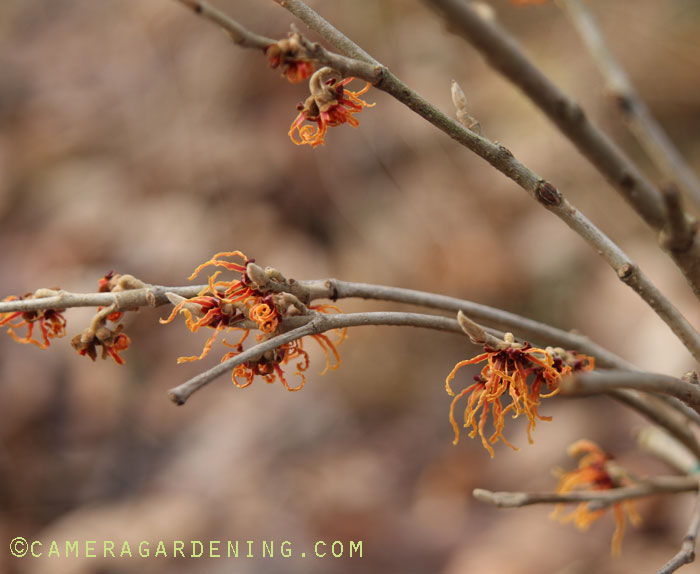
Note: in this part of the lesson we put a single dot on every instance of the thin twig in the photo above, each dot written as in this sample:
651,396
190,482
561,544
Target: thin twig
686,554
240,35
151,296
680,230
605,381
496,318
655,485
327,31
334,289
642,124
539,189
662,414
662,445
319,324
505,55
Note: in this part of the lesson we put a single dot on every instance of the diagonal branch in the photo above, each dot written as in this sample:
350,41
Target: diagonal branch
661,414
642,124
318,324
686,554
239,34
505,55
539,189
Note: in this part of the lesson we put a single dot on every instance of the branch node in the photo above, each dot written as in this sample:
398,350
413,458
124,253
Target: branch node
547,194
627,272
679,232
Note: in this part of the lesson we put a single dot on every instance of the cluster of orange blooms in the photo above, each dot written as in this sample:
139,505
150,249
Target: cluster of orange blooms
593,474
238,305
523,373
52,324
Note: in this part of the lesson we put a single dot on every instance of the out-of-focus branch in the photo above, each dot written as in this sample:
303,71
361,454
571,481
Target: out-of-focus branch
656,485
539,189
605,381
686,554
505,55
318,323
642,124
662,445
680,230
662,414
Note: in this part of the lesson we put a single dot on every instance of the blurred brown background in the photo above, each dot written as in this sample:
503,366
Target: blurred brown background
135,137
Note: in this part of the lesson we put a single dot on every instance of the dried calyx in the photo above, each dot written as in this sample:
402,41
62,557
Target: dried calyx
291,56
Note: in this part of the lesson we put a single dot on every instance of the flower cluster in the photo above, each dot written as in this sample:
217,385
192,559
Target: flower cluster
593,474
519,371
112,340
52,324
259,299
290,55
330,104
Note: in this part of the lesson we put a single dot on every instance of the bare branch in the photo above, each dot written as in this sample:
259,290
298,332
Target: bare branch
605,381
662,414
496,318
150,296
318,324
240,35
642,124
662,445
505,55
155,295
539,189
680,230
686,554
656,485
327,31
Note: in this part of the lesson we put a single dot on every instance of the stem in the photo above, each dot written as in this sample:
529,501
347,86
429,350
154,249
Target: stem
326,30
151,296
642,124
155,295
662,414
686,554
504,54
605,498
539,189
319,324
605,381
240,35
496,318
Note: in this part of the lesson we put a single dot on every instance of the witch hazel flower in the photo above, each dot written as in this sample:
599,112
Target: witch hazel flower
51,323
260,299
289,54
515,372
330,104
594,473
111,339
